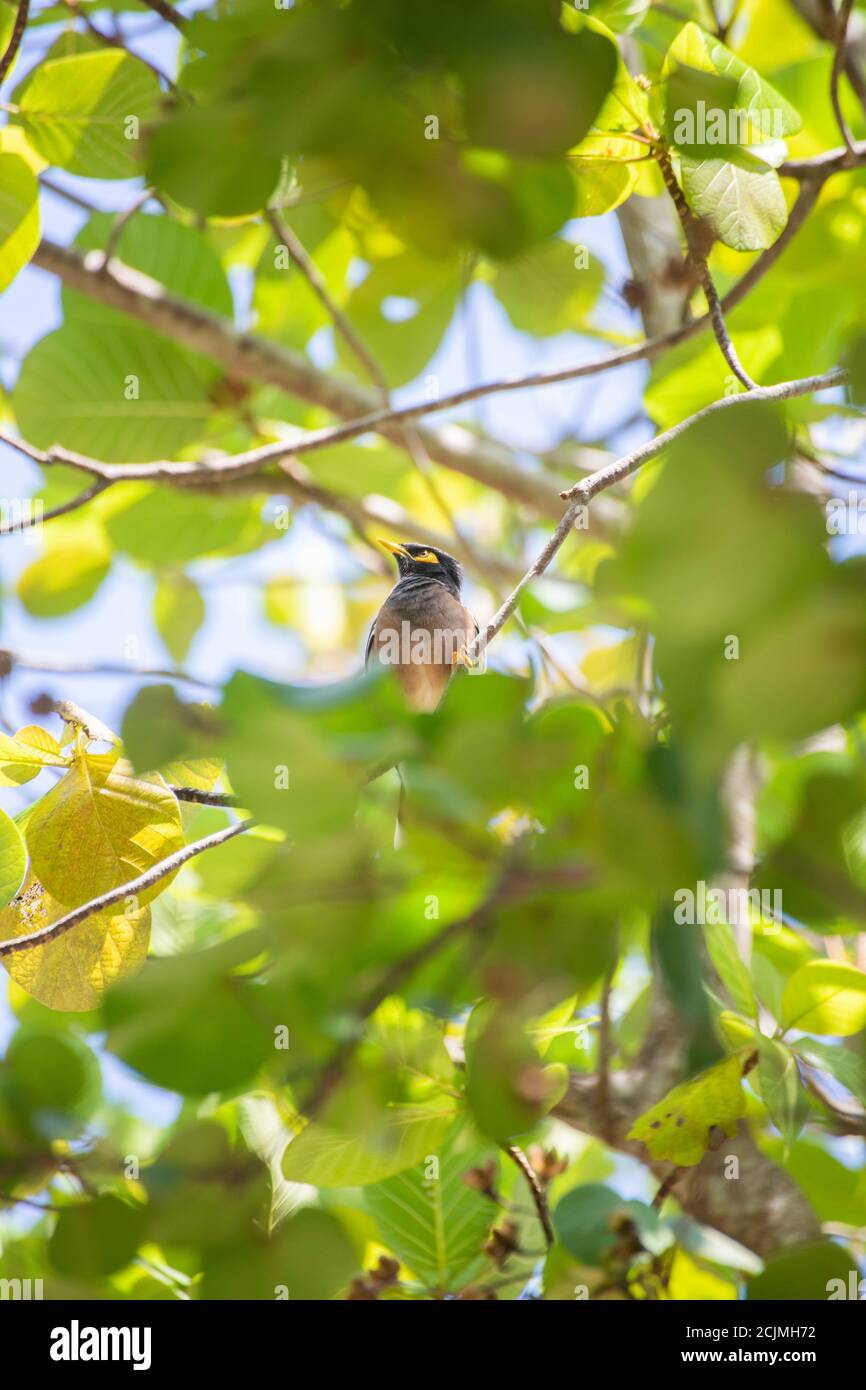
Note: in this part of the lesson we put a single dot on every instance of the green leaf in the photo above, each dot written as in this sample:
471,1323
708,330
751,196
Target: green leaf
25,754
13,859
605,172
695,49
330,1157
114,391
309,1259
432,1219
709,1244
550,288
72,973
621,15
826,996
722,946
584,1221
180,163
840,1062
188,1023
816,1270
508,1088
400,312
97,1237
178,612
779,1082
19,216
101,827
177,256
739,198
142,526
66,576
678,1127
87,113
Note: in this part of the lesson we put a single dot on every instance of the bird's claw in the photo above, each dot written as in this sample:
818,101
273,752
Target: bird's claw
462,658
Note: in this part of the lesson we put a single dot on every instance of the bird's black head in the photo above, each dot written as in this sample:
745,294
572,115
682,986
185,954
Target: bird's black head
426,562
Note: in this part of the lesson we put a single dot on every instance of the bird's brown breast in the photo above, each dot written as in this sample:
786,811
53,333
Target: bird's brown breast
419,634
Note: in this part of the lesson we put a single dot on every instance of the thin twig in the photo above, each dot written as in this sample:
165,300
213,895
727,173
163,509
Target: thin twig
314,278
664,1191
120,223
692,231
605,1118
839,63
167,12
49,666
202,798
126,890
621,468
117,41
37,517
15,38
539,1196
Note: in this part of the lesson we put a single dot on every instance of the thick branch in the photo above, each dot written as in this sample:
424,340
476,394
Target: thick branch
763,1209
248,357
126,890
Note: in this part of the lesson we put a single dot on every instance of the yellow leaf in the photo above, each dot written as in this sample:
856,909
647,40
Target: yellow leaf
101,827
678,1127
23,756
73,972
201,773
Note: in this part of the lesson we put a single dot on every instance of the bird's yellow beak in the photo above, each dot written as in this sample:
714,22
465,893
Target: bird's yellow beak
394,548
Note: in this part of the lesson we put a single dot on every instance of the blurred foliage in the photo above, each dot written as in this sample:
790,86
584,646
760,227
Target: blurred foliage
354,1034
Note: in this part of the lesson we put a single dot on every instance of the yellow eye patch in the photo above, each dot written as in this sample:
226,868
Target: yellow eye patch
427,557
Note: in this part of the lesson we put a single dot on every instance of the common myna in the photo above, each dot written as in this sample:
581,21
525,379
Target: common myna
422,629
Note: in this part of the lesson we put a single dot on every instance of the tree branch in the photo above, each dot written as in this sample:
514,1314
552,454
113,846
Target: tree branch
15,38
126,890
820,15
49,666
167,12
693,233
840,59
539,1196
314,278
203,798
248,357
629,463
38,517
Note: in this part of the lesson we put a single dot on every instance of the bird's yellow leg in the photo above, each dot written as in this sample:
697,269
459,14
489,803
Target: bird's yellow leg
462,658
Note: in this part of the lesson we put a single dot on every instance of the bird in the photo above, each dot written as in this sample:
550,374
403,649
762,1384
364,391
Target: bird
422,629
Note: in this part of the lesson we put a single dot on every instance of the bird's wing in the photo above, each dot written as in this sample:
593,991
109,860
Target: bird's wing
368,650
